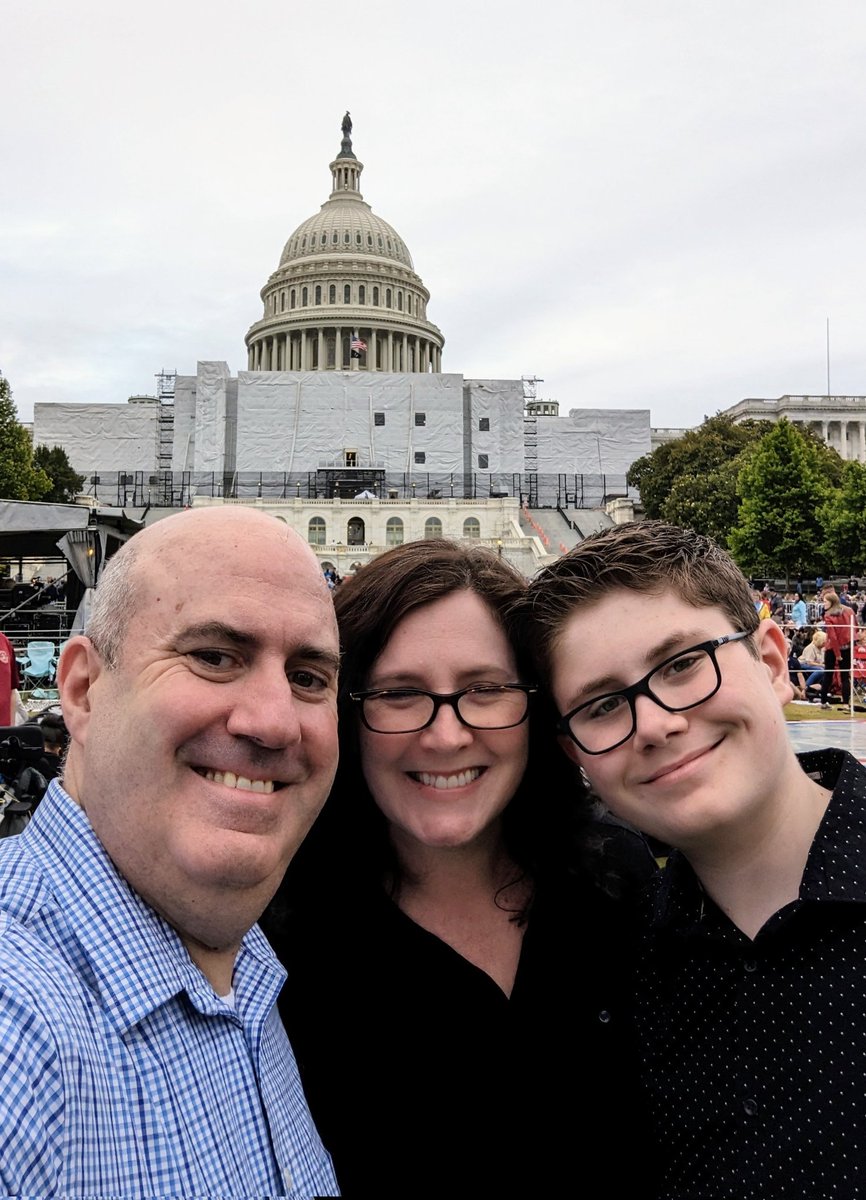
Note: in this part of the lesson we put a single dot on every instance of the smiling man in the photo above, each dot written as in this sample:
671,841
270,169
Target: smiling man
751,987
141,1053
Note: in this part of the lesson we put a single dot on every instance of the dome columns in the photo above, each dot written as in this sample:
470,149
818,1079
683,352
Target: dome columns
328,348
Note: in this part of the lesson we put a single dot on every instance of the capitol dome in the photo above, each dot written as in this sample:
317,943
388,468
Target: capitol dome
345,295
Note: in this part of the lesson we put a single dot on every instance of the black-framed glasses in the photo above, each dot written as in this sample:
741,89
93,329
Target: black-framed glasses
683,681
481,706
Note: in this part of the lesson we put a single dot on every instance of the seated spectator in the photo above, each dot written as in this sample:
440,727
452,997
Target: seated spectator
811,659
761,606
775,603
54,739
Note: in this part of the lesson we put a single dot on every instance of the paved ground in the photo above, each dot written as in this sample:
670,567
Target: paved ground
816,735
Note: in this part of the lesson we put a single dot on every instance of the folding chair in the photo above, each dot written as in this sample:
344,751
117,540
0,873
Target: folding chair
38,664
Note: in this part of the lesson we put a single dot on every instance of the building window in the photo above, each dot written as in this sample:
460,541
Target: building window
282,301
472,528
375,295
332,294
304,297
362,294
347,294
369,239
394,532
378,418
318,293
400,301
346,237
316,531
350,458
292,298
432,527
335,238
358,238
484,424
483,462
420,456
387,297
324,238
379,239
420,418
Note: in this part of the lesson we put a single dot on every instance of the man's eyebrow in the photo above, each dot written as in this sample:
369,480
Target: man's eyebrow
219,631
315,654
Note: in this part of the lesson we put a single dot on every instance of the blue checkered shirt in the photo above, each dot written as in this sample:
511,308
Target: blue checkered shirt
122,1073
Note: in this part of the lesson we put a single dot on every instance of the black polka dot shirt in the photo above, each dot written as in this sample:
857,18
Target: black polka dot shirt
755,1051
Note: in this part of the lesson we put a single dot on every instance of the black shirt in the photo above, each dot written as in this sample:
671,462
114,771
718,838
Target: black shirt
426,1080
755,1051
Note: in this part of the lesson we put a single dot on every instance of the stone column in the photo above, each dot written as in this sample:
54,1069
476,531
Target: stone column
323,350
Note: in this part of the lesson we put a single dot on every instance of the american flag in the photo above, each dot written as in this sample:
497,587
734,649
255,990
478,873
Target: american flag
357,344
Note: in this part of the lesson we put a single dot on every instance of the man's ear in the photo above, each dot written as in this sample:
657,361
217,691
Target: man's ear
773,651
79,667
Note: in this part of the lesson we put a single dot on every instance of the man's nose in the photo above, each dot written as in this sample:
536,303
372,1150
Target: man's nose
266,710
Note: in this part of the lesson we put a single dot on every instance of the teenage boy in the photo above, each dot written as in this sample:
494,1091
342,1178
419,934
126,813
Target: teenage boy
752,994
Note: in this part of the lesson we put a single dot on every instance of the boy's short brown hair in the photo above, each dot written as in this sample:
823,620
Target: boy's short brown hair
640,556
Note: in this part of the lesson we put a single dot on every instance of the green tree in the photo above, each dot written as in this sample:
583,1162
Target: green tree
843,518
783,483
692,480
19,478
65,483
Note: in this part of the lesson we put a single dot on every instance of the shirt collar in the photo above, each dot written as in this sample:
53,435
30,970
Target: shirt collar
134,959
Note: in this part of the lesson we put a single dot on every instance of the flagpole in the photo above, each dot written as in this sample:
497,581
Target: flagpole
828,358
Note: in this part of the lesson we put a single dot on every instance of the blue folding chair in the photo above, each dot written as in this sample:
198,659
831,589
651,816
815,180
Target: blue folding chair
38,664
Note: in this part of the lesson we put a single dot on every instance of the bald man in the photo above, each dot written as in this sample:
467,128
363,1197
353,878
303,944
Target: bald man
140,1049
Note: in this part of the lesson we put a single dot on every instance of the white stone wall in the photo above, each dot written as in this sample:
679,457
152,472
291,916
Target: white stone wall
356,531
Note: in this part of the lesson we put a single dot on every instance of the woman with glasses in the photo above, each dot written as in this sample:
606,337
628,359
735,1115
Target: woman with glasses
457,933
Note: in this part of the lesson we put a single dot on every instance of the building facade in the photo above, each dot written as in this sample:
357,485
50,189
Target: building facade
344,389
840,421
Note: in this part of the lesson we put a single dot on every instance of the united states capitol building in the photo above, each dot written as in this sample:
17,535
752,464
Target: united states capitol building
346,423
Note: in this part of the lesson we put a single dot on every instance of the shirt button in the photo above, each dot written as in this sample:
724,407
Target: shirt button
604,1017
750,965
750,1107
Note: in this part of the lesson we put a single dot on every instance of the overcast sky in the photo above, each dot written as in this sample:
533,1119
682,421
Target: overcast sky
644,203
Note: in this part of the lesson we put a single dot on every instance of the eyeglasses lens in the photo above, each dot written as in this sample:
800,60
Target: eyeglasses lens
481,708
682,683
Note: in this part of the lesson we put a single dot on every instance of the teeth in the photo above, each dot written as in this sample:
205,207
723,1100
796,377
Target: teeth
448,781
240,782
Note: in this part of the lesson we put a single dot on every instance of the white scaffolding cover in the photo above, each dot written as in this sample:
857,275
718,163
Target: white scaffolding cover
101,437
593,441
299,421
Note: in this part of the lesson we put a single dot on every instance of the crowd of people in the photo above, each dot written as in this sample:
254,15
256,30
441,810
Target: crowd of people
826,641
426,884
